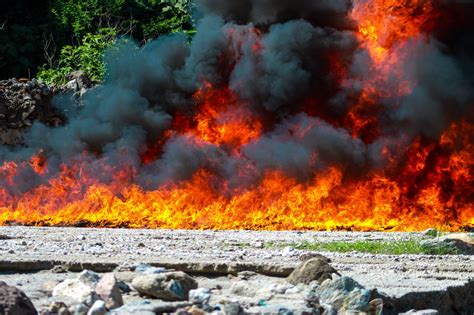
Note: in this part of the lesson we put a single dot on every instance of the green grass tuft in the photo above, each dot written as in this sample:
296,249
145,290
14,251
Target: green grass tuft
396,247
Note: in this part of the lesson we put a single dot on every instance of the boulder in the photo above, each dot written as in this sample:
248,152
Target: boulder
77,290
108,290
168,286
344,293
317,268
81,80
461,243
14,301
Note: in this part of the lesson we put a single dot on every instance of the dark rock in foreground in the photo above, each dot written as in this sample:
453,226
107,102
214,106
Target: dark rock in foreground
13,301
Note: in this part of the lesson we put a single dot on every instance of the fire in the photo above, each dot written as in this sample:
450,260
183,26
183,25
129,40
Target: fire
222,120
430,185
382,23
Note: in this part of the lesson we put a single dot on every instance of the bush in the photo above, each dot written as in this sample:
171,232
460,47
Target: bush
88,57
64,33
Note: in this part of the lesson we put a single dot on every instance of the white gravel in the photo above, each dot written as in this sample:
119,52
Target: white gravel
393,275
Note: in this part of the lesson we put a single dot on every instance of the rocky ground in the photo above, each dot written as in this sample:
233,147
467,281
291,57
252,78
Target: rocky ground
235,271
23,102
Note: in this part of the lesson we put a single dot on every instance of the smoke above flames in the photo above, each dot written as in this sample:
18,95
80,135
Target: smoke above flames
295,87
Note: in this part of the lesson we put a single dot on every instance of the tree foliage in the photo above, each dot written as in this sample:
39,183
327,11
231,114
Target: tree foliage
60,36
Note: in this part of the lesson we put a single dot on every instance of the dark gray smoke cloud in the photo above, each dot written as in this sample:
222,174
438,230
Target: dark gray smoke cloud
293,63
303,145
325,12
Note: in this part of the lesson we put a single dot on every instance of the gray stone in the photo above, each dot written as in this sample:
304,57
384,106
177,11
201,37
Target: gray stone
313,269
77,290
49,286
56,308
232,308
89,277
108,290
345,294
79,309
376,307
98,308
241,288
14,301
168,286
200,296
148,269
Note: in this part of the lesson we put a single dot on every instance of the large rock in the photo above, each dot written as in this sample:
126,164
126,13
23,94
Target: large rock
168,286
77,290
317,268
108,290
344,293
461,243
13,301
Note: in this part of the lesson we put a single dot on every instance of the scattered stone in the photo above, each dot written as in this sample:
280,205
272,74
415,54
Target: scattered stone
232,308
149,269
98,308
376,307
241,288
108,290
313,269
76,290
168,286
60,269
288,251
281,288
345,294
123,287
89,277
200,296
194,310
246,275
56,308
79,309
14,301
146,307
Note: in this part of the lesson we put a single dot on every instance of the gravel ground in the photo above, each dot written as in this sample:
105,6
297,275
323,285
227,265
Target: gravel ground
392,275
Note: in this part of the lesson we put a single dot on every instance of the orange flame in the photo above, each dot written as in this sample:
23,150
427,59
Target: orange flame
433,188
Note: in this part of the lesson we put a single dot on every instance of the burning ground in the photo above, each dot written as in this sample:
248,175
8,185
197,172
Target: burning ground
277,115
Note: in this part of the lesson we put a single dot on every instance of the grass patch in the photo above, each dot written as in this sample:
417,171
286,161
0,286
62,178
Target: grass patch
396,247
